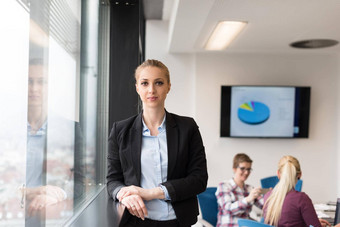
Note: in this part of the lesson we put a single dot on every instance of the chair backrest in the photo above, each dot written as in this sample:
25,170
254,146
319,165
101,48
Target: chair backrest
208,205
298,186
250,223
270,182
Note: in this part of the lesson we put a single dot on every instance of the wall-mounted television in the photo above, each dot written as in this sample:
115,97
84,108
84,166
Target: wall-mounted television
265,111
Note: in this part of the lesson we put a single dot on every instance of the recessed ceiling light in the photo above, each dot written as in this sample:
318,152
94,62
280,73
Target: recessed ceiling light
314,43
224,33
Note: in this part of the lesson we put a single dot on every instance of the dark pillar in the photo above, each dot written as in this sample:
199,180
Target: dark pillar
126,53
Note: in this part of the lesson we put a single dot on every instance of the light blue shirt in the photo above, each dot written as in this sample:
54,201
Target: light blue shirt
35,156
154,167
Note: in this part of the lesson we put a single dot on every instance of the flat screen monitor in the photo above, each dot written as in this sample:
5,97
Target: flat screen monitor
337,212
265,111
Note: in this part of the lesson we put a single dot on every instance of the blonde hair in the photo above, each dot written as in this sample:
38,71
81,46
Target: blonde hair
153,63
289,169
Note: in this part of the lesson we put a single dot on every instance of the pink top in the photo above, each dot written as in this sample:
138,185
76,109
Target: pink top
297,210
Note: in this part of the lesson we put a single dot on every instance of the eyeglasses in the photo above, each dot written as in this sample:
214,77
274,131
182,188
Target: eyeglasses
245,169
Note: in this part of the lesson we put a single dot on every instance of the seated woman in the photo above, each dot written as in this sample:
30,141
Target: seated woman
286,207
235,198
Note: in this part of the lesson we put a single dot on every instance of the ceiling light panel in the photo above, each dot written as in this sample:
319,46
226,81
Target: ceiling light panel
224,33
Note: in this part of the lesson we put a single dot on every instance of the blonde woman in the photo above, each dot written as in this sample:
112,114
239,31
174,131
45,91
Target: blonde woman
286,207
156,159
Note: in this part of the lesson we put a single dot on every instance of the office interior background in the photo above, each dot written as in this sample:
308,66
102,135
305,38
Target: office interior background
91,49
260,55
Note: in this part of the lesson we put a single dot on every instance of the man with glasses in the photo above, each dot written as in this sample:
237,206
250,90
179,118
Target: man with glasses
235,198
54,160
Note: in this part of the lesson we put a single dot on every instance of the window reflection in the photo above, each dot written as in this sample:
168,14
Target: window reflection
49,132
51,149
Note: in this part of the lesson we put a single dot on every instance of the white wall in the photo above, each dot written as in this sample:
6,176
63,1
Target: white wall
196,81
316,154
180,99
337,134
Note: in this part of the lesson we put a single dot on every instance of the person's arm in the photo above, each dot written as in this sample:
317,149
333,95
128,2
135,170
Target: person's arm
324,223
115,179
114,176
43,196
132,198
259,201
227,201
196,176
145,194
253,195
308,212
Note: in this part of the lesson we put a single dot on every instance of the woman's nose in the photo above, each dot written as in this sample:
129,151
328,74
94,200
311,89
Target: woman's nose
151,88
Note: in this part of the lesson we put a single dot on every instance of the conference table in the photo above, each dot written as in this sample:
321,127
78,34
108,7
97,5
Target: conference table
326,211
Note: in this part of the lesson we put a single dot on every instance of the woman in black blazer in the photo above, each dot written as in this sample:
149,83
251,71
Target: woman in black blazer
156,159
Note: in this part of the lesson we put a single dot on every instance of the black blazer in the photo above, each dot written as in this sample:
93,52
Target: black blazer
187,168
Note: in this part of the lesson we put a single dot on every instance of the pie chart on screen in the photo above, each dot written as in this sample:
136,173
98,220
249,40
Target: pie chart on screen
253,112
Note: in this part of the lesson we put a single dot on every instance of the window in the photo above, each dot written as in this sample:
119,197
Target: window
54,108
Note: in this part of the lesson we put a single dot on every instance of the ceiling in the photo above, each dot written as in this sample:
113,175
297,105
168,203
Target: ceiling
272,24
153,9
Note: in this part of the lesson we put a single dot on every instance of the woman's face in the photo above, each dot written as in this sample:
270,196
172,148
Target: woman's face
152,87
242,172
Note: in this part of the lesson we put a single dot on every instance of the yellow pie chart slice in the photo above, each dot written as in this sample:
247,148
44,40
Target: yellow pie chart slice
246,106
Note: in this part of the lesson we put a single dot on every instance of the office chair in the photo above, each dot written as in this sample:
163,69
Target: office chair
298,186
250,223
208,205
270,182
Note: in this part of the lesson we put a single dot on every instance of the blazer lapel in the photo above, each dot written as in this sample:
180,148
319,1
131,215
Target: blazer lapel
136,145
172,141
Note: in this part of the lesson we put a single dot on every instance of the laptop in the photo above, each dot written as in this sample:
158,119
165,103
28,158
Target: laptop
337,212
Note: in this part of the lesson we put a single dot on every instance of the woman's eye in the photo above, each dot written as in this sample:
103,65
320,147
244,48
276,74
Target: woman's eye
159,83
144,83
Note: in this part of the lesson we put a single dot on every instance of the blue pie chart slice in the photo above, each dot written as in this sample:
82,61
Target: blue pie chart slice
253,113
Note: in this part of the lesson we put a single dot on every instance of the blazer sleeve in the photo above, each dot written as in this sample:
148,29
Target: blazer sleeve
114,176
190,177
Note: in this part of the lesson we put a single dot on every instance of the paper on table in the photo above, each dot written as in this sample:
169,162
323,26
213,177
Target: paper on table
322,214
322,206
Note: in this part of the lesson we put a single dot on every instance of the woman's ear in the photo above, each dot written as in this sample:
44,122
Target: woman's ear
278,174
299,176
136,88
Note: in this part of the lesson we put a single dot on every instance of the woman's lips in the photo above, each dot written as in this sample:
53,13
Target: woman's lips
152,98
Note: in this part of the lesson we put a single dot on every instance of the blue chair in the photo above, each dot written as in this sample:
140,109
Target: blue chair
270,182
208,205
298,186
250,223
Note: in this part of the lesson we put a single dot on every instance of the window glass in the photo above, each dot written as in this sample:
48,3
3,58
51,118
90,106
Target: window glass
48,90
14,42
